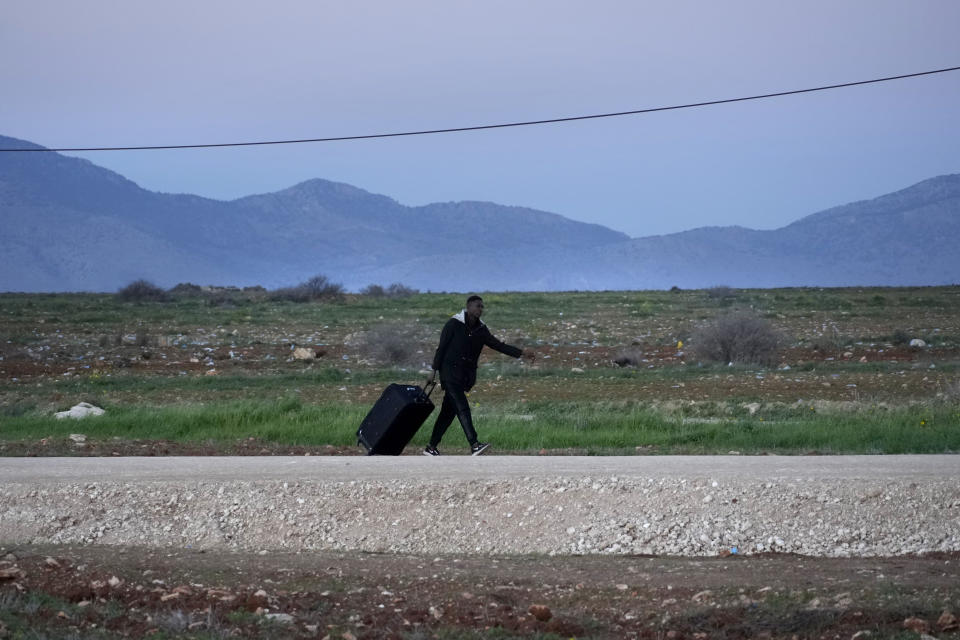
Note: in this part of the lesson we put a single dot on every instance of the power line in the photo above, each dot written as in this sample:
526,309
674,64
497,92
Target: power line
526,123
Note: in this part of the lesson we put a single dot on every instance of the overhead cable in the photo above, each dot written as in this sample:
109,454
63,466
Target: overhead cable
504,125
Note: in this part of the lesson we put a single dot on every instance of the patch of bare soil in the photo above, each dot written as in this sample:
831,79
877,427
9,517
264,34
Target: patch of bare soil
62,591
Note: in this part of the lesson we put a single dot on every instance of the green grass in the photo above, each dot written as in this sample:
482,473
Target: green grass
591,427
669,408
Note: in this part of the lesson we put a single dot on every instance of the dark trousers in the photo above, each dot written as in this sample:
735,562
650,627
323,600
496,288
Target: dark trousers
454,404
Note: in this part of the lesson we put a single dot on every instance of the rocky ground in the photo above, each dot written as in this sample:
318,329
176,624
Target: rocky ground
93,591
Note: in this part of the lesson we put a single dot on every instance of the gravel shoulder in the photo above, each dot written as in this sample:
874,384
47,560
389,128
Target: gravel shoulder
831,506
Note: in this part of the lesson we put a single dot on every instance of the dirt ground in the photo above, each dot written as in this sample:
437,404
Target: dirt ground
99,591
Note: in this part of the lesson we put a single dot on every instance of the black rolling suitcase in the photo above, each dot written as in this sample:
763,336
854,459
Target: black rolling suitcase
394,418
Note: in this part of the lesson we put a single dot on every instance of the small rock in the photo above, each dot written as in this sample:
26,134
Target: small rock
861,635
282,618
114,581
576,370
11,573
753,407
51,563
348,636
302,353
916,624
622,587
917,342
703,595
863,359
169,596
948,622
540,611
436,612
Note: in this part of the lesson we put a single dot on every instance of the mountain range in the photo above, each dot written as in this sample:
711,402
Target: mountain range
70,225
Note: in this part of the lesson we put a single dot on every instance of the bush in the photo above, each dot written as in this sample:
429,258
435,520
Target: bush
142,291
318,287
391,344
373,290
740,336
952,391
290,294
721,292
629,358
900,338
186,290
396,290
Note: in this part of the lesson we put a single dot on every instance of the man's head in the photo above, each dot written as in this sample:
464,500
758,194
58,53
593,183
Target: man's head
475,306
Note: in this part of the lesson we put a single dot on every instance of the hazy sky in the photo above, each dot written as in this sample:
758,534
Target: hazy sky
100,73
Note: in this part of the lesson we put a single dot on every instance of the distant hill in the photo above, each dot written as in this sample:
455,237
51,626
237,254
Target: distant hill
69,225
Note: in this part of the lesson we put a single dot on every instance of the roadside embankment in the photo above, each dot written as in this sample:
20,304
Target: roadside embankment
677,505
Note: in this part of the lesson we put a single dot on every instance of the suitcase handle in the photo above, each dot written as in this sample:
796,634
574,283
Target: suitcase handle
429,385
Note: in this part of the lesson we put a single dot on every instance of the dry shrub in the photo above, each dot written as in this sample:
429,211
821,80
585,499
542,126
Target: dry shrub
391,344
290,294
186,290
629,357
739,336
952,391
399,290
318,287
721,292
374,291
395,290
900,338
142,291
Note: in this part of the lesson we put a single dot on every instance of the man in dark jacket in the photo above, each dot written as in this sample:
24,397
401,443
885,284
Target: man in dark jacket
461,341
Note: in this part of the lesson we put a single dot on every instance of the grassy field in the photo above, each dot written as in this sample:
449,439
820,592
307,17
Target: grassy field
217,370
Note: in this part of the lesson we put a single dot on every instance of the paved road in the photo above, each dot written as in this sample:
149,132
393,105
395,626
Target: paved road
490,467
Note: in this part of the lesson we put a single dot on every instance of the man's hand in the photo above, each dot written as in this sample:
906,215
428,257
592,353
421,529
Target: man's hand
529,354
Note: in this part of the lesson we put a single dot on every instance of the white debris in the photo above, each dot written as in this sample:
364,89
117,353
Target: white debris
81,410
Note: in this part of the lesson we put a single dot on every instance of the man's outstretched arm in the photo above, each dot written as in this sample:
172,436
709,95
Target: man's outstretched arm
508,349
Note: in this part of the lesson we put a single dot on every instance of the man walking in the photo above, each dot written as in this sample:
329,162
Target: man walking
461,341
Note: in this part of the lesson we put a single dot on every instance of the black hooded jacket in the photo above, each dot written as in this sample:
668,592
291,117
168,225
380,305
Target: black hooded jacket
460,347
